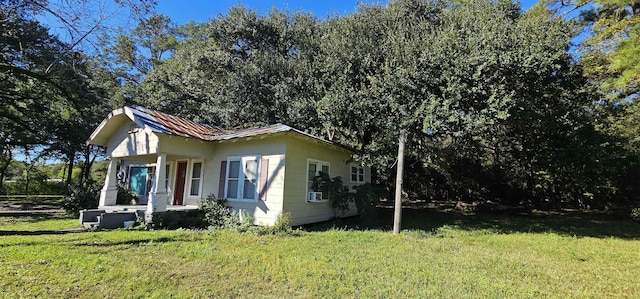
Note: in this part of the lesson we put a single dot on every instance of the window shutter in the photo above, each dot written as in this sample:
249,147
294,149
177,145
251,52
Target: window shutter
262,180
223,177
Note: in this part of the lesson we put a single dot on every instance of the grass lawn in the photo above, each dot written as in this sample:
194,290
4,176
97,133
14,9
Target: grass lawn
440,254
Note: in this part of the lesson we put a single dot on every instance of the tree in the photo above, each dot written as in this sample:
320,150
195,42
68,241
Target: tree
493,100
83,24
242,69
611,51
50,100
495,104
136,53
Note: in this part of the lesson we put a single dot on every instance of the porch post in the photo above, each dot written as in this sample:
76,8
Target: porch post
158,196
109,192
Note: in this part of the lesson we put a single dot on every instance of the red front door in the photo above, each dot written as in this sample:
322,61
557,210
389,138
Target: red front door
178,196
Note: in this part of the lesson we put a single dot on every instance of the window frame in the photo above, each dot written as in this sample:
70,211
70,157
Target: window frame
358,169
241,178
319,164
142,165
190,178
170,179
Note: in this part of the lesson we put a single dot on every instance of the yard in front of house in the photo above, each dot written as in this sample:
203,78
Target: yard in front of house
440,254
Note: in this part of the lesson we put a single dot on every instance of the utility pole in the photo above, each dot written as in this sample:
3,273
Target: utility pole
398,204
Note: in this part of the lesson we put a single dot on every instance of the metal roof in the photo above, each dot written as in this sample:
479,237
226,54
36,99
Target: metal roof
172,125
250,132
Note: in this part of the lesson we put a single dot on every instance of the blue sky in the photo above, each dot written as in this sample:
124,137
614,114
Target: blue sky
182,12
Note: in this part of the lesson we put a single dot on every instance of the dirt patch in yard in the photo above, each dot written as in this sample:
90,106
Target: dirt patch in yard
16,208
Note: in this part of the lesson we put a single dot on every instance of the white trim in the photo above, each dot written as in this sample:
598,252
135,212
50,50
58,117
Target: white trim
364,174
319,164
241,178
190,179
171,181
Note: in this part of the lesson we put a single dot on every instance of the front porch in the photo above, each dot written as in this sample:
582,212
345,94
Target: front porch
159,183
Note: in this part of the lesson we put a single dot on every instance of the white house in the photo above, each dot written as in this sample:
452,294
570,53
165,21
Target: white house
173,163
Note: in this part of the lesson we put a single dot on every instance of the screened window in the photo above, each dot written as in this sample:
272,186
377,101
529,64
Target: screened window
314,168
242,178
196,179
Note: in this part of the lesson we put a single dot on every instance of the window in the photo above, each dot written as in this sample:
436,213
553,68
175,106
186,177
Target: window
242,178
167,173
357,174
314,168
141,179
196,179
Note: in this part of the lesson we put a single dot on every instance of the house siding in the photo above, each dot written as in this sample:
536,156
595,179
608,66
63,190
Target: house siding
125,143
299,151
176,147
271,148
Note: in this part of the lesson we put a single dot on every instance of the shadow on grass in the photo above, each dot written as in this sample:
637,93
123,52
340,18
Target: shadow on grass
430,219
37,232
32,216
133,242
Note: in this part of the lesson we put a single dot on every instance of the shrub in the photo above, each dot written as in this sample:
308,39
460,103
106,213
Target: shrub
194,219
338,194
635,214
37,187
218,216
215,210
84,195
124,196
367,198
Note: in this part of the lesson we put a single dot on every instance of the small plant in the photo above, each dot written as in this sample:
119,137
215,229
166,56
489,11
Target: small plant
240,221
215,211
283,223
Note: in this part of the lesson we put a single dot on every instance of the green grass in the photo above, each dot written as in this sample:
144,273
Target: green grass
440,254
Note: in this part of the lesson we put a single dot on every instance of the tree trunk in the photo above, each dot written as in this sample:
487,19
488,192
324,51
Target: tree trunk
3,173
2,182
86,166
5,165
26,180
70,169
